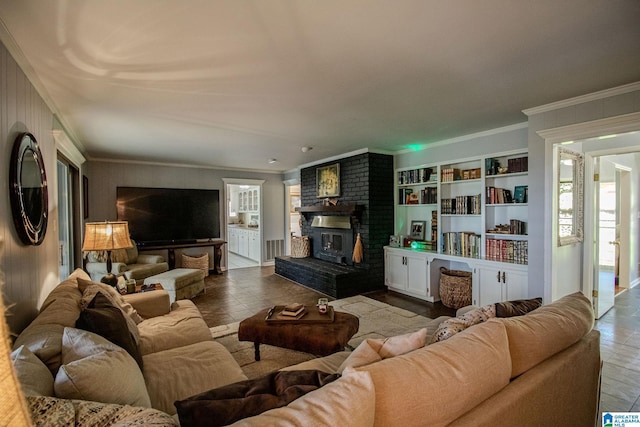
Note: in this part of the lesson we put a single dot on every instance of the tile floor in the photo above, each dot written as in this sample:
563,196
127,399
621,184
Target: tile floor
239,293
236,261
620,352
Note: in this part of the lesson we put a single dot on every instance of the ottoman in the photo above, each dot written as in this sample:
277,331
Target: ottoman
181,283
320,339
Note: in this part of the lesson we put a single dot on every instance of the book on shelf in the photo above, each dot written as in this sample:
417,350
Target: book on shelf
520,164
429,195
461,205
414,176
520,194
498,196
516,251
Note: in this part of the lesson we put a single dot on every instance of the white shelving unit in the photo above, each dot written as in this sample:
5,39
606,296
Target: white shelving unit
469,226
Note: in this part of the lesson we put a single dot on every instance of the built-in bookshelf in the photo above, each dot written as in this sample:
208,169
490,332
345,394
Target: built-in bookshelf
476,213
474,207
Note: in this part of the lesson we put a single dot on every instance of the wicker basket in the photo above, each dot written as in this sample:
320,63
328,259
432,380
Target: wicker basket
196,261
300,246
455,288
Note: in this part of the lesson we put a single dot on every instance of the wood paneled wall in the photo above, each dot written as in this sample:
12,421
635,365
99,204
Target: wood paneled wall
30,272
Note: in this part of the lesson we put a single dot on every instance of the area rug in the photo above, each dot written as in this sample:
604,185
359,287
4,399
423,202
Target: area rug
377,320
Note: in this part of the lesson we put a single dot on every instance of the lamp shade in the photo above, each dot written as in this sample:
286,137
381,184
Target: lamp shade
106,236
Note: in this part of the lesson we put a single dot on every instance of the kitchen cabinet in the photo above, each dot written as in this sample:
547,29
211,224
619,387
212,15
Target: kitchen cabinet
245,242
254,245
248,201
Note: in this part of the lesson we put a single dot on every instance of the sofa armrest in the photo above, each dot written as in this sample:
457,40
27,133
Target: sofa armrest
101,268
149,259
150,304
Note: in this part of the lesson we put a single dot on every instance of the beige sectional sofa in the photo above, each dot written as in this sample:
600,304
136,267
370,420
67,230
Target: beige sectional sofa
542,368
179,357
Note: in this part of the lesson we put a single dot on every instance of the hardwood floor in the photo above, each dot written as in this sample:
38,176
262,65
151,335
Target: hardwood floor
239,293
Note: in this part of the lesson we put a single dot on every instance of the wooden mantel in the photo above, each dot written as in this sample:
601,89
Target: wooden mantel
349,209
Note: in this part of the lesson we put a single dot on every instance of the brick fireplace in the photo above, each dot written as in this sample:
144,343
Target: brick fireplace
366,205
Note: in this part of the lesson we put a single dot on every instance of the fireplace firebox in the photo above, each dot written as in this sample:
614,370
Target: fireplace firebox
332,238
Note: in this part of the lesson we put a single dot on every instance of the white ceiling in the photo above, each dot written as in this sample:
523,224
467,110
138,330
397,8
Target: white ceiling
234,83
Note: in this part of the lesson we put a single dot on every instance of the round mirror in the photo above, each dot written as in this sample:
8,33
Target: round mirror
29,195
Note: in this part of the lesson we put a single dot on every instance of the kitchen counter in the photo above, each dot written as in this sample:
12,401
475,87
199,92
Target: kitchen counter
243,227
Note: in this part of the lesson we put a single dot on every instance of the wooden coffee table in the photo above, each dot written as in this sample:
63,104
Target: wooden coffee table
318,337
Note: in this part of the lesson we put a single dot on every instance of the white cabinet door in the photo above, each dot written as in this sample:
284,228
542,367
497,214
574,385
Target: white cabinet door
516,284
407,272
233,240
498,283
490,285
417,267
254,245
396,271
243,243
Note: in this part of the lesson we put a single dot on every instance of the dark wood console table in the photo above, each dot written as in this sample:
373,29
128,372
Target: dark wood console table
171,247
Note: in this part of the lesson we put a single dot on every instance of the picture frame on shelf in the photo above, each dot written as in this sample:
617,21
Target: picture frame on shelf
417,230
328,181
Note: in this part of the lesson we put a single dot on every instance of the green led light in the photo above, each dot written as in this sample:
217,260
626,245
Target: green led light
415,147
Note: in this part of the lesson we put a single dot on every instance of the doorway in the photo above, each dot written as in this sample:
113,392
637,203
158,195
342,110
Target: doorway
243,223
613,250
69,256
293,219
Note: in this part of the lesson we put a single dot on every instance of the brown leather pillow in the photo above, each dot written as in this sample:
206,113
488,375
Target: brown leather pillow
517,307
233,402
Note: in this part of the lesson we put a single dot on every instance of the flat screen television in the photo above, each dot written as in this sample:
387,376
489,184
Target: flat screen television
169,215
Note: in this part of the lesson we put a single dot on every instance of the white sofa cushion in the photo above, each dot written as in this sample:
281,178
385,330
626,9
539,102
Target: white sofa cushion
95,369
179,373
375,349
33,375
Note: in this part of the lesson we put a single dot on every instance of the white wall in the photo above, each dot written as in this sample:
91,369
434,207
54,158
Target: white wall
581,110
494,141
30,272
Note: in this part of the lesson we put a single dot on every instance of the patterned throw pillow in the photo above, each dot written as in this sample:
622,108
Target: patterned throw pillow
452,326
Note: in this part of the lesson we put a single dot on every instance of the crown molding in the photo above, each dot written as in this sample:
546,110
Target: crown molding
462,138
180,165
595,128
607,93
67,148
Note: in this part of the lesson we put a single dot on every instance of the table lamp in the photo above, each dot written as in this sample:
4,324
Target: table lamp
107,236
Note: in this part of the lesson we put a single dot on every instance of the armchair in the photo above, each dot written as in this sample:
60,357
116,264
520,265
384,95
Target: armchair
125,261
